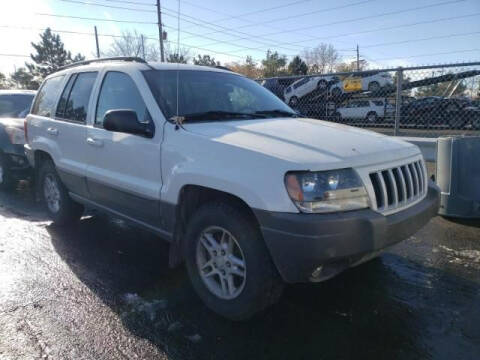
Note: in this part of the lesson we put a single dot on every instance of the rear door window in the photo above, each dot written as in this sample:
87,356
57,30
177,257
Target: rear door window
75,108
378,102
47,96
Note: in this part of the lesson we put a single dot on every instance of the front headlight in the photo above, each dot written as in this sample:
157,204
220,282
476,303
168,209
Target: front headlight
16,135
326,191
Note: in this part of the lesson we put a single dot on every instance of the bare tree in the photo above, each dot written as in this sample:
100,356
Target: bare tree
248,68
351,66
133,44
322,58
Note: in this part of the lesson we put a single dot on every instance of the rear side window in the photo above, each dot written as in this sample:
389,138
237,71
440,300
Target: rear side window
378,102
301,82
363,104
120,92
73,104
46,97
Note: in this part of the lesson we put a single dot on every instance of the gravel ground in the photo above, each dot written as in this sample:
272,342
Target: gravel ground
103,290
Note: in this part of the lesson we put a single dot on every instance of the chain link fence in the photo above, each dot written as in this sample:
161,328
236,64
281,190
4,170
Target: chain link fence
425,101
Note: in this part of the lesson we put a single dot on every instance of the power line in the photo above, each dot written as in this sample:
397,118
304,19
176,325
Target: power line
129,2
303,14
97,19
150,23
183,16
421,39
390,27
429,54
241,18
361,18
107,6
151,37
15,55
271,43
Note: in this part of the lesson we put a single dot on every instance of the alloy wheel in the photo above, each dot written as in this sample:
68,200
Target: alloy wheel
52,193
221,263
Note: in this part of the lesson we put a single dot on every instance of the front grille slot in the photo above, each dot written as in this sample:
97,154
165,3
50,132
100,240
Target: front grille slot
397,187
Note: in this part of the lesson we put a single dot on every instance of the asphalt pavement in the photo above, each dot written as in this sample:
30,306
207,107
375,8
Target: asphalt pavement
103,290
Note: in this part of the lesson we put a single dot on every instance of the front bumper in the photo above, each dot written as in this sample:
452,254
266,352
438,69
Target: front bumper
315,247
17,163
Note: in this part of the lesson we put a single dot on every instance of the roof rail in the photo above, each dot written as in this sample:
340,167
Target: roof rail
116,58
223,68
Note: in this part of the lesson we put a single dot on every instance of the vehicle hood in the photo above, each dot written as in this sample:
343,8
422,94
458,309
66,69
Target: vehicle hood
307,144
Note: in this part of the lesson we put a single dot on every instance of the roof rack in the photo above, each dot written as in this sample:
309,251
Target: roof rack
223,68
116,58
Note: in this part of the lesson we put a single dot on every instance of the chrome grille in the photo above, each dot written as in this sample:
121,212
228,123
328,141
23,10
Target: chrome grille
397,187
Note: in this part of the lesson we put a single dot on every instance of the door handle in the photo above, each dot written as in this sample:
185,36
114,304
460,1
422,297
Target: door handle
94,142
52,131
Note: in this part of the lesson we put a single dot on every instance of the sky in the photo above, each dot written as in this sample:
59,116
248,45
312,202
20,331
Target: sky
389,33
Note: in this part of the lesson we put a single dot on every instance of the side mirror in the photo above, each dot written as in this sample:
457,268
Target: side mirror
126,121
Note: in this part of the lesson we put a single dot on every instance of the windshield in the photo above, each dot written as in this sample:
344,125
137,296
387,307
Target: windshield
15,105
211,92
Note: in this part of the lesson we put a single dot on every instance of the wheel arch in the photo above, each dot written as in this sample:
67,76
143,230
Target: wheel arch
191,198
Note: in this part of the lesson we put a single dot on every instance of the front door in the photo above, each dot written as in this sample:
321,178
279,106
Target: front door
123,172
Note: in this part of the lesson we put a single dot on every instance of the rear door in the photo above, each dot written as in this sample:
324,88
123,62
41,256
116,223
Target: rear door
69,130
124,173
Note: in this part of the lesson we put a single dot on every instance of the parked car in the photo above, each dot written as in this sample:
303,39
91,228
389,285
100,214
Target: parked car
364,81
369,110
437,110
249,195
14,106
306,86
277,85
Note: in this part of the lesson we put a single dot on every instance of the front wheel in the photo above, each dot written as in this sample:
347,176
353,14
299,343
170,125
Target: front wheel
372,117
228,262
373,86
293,102
60,207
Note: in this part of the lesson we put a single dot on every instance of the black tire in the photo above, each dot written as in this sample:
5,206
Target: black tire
322,85
293,102
337,117
263,286
372,117
373,86
6,180
68,211
336,93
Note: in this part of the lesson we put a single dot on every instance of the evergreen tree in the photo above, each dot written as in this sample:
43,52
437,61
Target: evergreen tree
274,64
177,58
50,56
3,82
297,66
22,79
205,60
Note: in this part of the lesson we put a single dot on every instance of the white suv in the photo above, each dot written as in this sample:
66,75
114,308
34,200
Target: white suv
249,195
305,86
369,110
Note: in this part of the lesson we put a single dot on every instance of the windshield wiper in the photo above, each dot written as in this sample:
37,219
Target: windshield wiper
276,112
217,115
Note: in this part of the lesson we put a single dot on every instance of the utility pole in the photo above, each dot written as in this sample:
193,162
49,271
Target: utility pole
96,42
358,59
160,31
143,46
